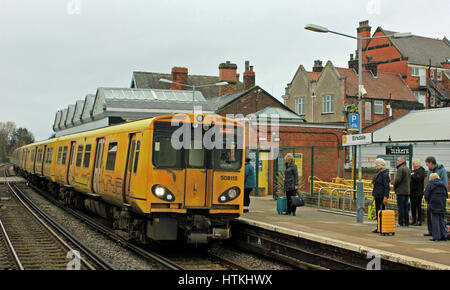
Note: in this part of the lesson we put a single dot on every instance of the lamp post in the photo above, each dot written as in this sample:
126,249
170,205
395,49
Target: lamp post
359,185
194,87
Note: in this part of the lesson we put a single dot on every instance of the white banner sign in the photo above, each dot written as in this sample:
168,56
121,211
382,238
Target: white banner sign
357,139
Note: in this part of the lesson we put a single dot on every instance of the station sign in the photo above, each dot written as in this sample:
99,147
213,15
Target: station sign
353,121
397,150
357,139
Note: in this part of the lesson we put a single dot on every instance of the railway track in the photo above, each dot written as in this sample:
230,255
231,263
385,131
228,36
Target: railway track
37,241
180,261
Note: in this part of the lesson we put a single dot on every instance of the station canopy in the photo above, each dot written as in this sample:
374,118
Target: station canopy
417,126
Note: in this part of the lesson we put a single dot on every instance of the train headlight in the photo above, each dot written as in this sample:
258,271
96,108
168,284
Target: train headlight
159,191
229,195
232,193
163,193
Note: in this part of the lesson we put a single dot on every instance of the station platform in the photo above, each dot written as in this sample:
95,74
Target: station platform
408,245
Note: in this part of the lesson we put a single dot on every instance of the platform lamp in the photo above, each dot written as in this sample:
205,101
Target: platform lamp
359,186
194,87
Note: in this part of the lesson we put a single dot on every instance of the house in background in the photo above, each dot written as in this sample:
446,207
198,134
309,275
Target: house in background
424,63
328,94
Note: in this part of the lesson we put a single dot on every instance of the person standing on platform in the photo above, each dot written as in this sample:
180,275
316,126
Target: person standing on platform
381,182
249,182
290,182
436,196
416,196
402,189
434,167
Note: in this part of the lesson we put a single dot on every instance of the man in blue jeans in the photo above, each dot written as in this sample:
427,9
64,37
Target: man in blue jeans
402,187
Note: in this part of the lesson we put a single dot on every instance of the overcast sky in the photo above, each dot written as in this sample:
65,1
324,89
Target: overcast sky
53,53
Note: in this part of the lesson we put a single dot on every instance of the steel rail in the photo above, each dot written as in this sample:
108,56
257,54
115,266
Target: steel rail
47,221
11,247
111,234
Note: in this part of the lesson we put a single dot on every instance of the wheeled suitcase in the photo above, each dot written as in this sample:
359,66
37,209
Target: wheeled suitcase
281,204
386,222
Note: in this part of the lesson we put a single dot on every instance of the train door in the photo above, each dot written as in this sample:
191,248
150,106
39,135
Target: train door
71,158
44,157
98,164
196,176
134,148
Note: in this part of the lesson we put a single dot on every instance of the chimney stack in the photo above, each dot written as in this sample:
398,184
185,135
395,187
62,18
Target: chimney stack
317,66
364,31
249,76
179,75
372,66
353,63
227,73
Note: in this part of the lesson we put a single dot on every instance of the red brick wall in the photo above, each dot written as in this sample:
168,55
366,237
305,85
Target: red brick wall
325,158
251,103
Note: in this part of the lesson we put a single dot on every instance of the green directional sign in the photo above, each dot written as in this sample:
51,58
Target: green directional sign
397,150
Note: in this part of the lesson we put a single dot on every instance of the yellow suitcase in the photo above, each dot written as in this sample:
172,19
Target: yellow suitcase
386,222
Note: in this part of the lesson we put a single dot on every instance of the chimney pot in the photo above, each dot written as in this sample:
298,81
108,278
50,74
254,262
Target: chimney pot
179,75
227,73
249,77
317,66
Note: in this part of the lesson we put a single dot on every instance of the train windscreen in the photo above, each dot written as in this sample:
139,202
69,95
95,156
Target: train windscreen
208,147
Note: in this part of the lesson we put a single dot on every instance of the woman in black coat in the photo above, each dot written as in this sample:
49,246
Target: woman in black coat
436,196
290,182
381,182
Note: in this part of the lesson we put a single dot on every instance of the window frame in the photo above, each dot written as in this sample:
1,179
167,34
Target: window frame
376,103
328,104
79,157
64,155
111,153
299,105
87,155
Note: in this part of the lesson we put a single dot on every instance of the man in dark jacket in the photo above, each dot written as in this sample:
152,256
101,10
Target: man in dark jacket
402,188
416,194
436,196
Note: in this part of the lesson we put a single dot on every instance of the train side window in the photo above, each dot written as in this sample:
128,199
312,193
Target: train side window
111,158
59,155
136,158
87,155
64,156
79,156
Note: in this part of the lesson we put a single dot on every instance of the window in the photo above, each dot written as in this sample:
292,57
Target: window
421,97
431,73
368,111
414,71
64,156
79,155
87,155
378,107
136,158
439,75
59,155
111,158
300,105
164,155
327,104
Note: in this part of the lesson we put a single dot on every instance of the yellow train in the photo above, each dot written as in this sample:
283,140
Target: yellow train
135,175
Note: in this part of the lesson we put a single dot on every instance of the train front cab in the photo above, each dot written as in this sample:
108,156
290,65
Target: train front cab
200,184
